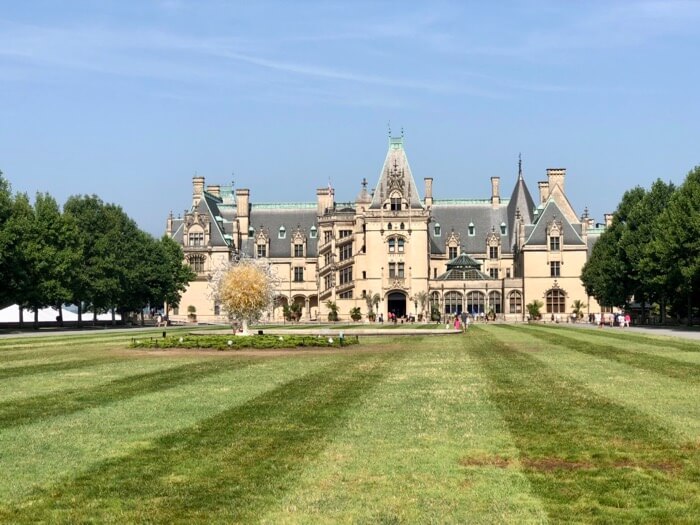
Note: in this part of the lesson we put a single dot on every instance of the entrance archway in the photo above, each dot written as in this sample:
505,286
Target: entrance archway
396,303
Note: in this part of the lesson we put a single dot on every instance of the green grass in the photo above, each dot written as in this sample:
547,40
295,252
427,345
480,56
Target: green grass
501,425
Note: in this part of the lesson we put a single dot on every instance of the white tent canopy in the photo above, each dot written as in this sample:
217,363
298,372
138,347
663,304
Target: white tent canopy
11,315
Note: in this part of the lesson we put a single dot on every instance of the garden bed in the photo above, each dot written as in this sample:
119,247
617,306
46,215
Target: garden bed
228,342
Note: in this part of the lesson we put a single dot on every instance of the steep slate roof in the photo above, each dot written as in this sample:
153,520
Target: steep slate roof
396,172
536,234
520,200
291,216
458,214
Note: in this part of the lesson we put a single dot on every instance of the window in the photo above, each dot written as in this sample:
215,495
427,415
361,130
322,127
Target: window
396,204
389,226
196,239
453,303
298,250
507,273
475,302
400,244
392,245
434,273
495,301
298,274
472,229
328,281
556,302
396,270
504,230
400,271
345,295
197,263
313,232
344,233
345,252
217,309
554,269
392,270
346,275
251,232
554,243
437,230
493,273
364,274
493,252
282,233
452,252
262,250
515,302
401,226
327,259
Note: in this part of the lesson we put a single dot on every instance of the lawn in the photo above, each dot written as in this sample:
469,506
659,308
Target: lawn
503,425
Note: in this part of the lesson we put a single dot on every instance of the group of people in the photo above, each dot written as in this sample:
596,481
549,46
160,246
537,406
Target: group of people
461,321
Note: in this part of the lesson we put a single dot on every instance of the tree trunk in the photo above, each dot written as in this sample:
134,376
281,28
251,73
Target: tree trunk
21,316
114,320
36,318
143,322
643,311
80,313
690,309
59,317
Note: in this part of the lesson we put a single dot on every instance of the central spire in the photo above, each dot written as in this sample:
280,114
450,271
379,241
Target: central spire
396,179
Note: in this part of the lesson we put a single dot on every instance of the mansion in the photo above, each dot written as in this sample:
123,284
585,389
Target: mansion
415,253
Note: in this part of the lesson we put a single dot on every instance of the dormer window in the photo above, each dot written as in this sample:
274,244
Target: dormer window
282,233
396,204
437,230
262,250
251,232
298,250
554,243
504,230
313,232
471,229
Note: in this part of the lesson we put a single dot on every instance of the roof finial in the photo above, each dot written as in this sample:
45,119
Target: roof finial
388,126
364,183
520,166
401,131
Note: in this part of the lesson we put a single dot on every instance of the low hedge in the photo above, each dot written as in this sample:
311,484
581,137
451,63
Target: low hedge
230,342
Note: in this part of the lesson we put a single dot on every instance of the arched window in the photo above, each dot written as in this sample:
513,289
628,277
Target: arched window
282,232
389,226
475,302
504,228
453,303
313,232
556,301
495,301
435,300
472,229
515,302
437,230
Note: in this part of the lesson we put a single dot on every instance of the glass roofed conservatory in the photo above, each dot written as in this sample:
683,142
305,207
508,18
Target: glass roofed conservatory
463,268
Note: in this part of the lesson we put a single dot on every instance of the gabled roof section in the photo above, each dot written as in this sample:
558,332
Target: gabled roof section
463,268
396,175
458,216
551,212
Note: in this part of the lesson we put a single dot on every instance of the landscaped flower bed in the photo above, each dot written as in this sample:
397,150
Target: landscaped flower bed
228,342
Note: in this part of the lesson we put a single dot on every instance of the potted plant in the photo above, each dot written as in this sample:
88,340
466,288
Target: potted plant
533,310
332,310
192,313
355,313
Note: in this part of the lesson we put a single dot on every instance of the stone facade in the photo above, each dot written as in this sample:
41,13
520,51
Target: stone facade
453,255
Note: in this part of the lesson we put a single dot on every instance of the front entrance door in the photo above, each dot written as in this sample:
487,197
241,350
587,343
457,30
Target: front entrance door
397,304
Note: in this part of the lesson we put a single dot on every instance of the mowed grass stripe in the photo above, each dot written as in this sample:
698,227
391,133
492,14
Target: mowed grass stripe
227,468
27,410
57,366
587,456
671,402
660,341
397,459
689,372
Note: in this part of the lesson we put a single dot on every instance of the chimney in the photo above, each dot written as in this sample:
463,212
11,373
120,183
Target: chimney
555,176
495,196
608,219
215,190
428,191
169,225
324,198
543,185
243,210
197,189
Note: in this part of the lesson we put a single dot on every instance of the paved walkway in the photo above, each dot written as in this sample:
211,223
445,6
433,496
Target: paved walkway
679,331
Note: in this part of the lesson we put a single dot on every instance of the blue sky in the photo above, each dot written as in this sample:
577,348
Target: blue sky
129,99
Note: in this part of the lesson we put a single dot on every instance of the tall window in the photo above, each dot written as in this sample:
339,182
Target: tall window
515,302
493,273
196,238
392,270
327,236
471,229
556,302
452,252
345,252
197,263
554,243
400,271
503,228
495,301
453,303
346,275
392,245
395,204
475,302
437,230
313,232
554,269
328,281
298,250
493,252
262,250
298,274
400,244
